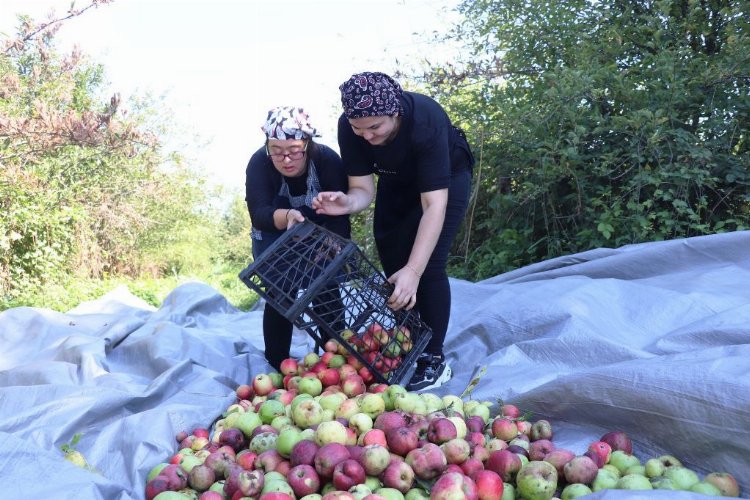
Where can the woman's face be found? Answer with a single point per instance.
(377, 130)
(289, 156)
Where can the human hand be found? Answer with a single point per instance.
(405, 281)
(293, 216)
(331, 203)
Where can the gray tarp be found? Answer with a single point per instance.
(652, 339)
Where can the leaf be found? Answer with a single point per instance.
(473, 383)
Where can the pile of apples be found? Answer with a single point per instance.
(382, 348)
(319, 430)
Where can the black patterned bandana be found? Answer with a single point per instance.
(370, 94)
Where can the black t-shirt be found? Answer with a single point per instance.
(421, 158)
(263, 184)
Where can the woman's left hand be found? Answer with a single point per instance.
(404, 294)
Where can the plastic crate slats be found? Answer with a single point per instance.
(325, 285)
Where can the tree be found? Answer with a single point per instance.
(86, 188)
(600, 123)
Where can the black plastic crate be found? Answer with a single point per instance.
(326, 286)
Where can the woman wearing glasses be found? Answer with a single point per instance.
(281, 180)
(423, 164)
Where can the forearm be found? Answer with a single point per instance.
(359, 199)
(428, 233)
(281, 218)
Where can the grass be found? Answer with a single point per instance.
(64, 296)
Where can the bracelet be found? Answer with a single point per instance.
(413, 270)
(286, 217)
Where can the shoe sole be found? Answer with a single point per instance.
(446, 376)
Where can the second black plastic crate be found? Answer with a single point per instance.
(325, 285)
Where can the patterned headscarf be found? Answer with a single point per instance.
(288, 122)
(370, 94)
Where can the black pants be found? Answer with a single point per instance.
(433, 293)
(277, 330)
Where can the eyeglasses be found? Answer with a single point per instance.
(294, 155)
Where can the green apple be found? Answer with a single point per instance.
(663, 483)
(634, 482)
(636, 469)
(372, 404)
(623, 461)
(537, 480)
(705, 488)
(331, 401)
(410, 402)
(473, 407)
(246, 422)
(331, 432)
(312, 496)
(432, 402)
(298, 399)
(281, 422)
(453, 402)
(683, 477)
(373, 482)
(460, 424)
(612, 469)
(287, 438)
(278, 485)
(509, 492)
(310, 385)
(390, 394)
(575, 490)
(417, 494)
(390, 493)
(605, 480)
(654, 467)
(155, 471)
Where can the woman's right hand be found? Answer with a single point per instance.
(331, 203)
(293, 216)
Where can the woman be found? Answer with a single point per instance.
(424, 168)
(282, 179)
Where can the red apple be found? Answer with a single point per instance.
(353, 385)
(454, 486)
(581, 469)
(489, 485)
(428, 461)
(618, 440)
(329, 377)
(304, 480)
(456, 451)
(303, 452)
(726, 483)
(262, 384)
(348, 473)
(540, 448)
(602, 450)
(505, 463)
(401, 440)
(327, 457)
(558, 458)
(441, 430)
(374, 436)
(250, 483)
(504, 428)
(471, 466)
(510, 411)
(244, 391)
(390, 420)
(541, 429)
(398, 475)
(374, 459)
